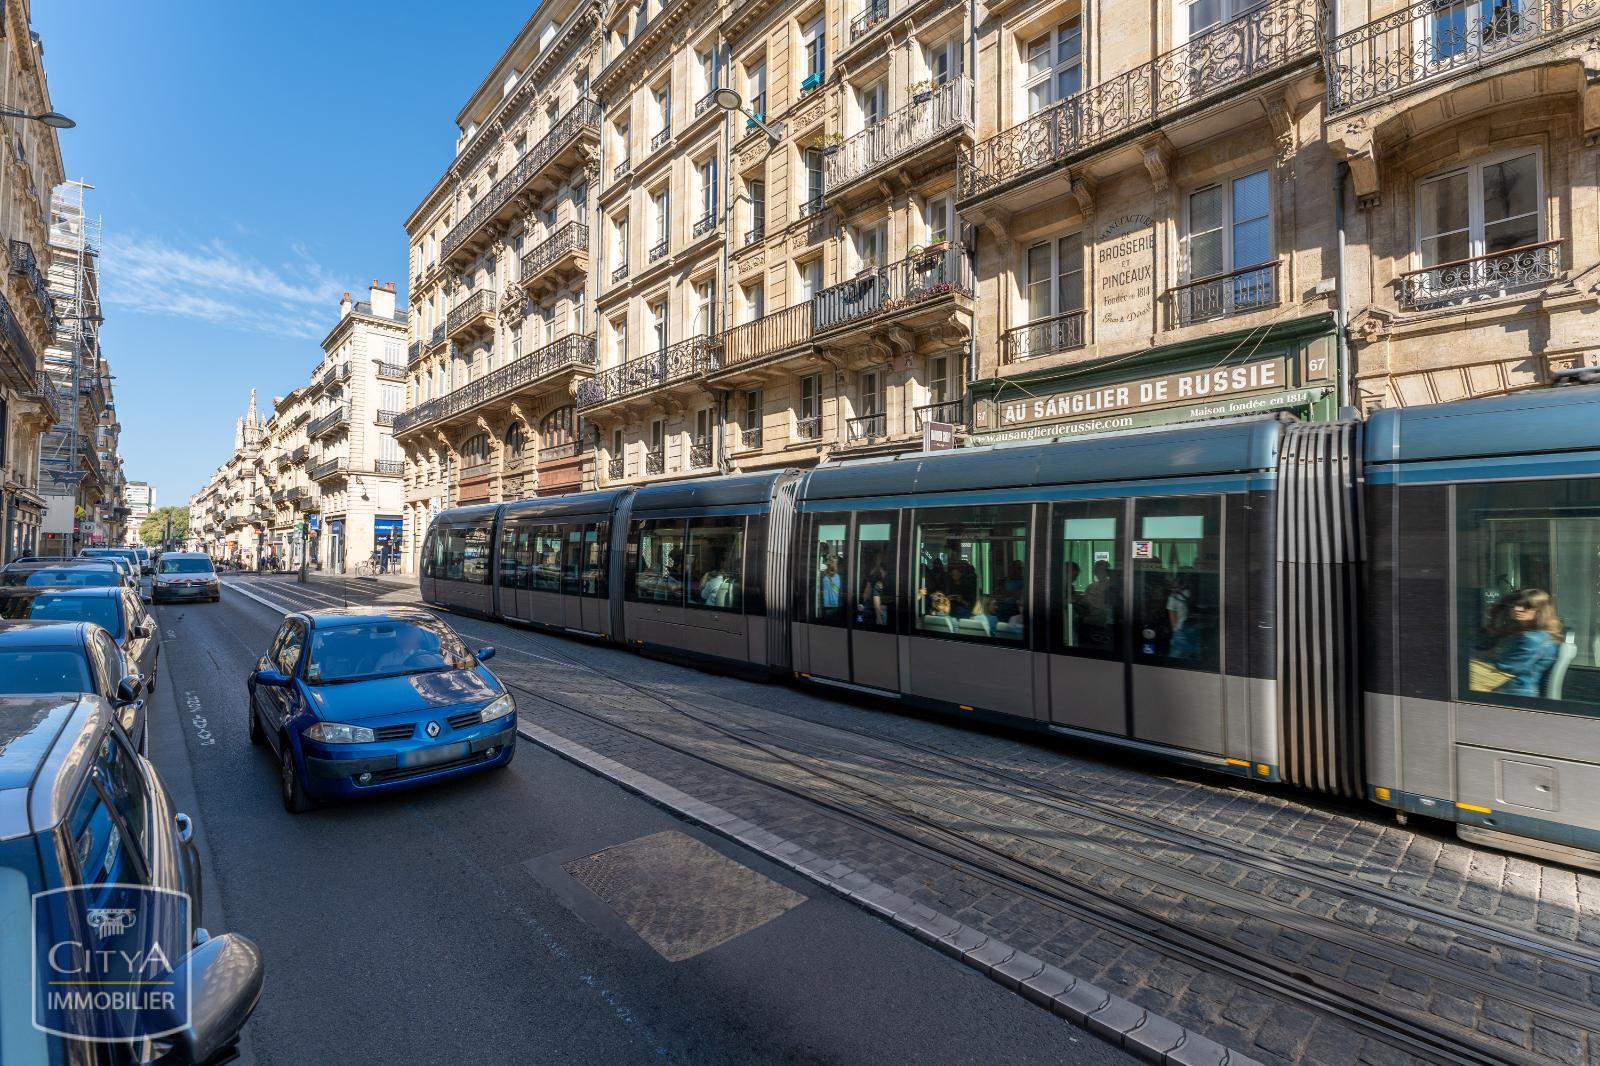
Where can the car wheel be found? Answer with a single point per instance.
(257, 737)
(295, 800)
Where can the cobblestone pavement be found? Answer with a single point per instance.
(1210, 886)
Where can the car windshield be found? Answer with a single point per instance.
(368, 650)
(186, 566)
(84, 577)
(36, 671)
(58, 607)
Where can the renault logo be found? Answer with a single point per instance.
(432, 729)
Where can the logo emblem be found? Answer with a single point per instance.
(110, 921)
(432, 729)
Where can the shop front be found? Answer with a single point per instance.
(1291, 369)
(335, 559)
(388, 537)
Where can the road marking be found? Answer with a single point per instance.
(197, 718)
(279, 607)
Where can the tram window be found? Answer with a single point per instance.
(545, 572)
(1089, 594)
(1528, 594)
(875, 570)
(972, 572)
(464, 554)
(592, 574)
(715, 563)
(658, 574)
(829, 580)
(431, 552)
(514, 555)
(755, 565)
(1176, 557)
(571, 559)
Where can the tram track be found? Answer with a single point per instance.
(890, 820)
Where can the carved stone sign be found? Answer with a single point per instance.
(1124, 274)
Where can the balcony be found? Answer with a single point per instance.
(17, 358)
(683, 361)
(894, 289)
(620, 274)
(1223, 295)
(811, 207)
(436, 338)
(750, 438)
(310, 504)
(564, 252)
(25, 263)
(865, 429)
(705, 103)
(557, 452)
(767, 336)
(808, 427)
(1047, 336)
(917, 125)
(659, 251)
(472, 314)
(614, 469)
(298, 456)
(280, 496)
(557, 147)
(389, 467)
(755, 233)
(325, 469)
(620, 171)
(413, 353)
(661, 140)
(700, 453)
(704, 225)
(655, 461)
(951, 412)
(1210, 67)
(571, 351)
(1409, 49)
(392, 371)
(1483, 277)
(330, 421)
(877, 11)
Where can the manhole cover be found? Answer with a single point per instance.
(679, 895)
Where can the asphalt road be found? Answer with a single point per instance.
(442, 925)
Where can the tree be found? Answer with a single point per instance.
(153, 531)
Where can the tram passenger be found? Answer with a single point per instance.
(939, 616)
(961, 585)
(1016, 584)
(873, 605)
(1523, 645)
(983, 612)
(828, 587)
(1180, 617)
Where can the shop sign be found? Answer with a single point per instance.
(1190, 387)
(1124, 273)
(1236, 405)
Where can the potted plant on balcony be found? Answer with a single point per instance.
(812, 81)
(828, 142)
(753, 122)
(921, 91)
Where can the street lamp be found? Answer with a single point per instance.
(730, 100)
(54, 119)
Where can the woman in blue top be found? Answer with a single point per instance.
(1528, 648)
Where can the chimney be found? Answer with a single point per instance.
(344, 305)
(382, 297)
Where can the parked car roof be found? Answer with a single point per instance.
(330, 617)
(28, 633)
(46, 746)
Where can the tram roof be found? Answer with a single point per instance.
(1524, 423)
(580, 503)
(1219, 448)
(715, 491)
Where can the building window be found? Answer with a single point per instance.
(516, 440)
(1230, 229)
(871, 242)
(579, 322)
(810, 278)
(1481, 209)
(658, 324)
(757, 190)
(1055, 277)
(1055, 66)
(936, 215)
(756, 87)
(547, 318)
(755, 300)
(475, 452)
(663, 109)
(940, 387)
(1202, 15)
(872, 392)
(972, 566)
(874, 102)
(580, 204)
(751, 419)
(516, 344)
(814, 42)
(813, 160)
(658, 204)
(944, 61)
(708, 188)
(619, 339)
(705, 306)
(559, 427)
(619, 238)
(811, 396)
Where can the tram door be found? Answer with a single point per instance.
(1088, 625)
(850, 604)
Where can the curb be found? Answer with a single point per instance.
(1119, 1021)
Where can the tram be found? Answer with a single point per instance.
(1405, 610)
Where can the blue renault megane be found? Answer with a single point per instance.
(359, 700)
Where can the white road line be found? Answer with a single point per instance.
(279, 607)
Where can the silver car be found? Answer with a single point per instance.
(185, 576)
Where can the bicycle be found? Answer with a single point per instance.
(365, 568)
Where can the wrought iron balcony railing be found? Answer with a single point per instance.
(392, 370)
(755, 233)
(326, 468)
(585, 114)
(620, 171)
(894, 288)
(705, 103)
(298, 456)
(18, 365)
(614, 469)
(620, 274)
(659, 251)
(876, 12)
(330, 421)
(659, 141)
(25, 263)
(1479, 277)
(951, 411)
(1047, 336)
(386, 418)
(867, 428)
(949, 107)
(480, 304)
(436, 338)
(680, 362)
(1257, 42)
(655, 461)
(388, 467)
(413, 353)
(750, 437)
(570, 237)
(1422, 42)
(1249, 289)
(704, 225)
(767, 335)
(808, 427)
(700, 453)
(574, 350)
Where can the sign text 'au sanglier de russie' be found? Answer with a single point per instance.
(1191, 386)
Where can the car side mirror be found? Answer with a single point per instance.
(272, 678)
(483, 655)
(220, 980)
(141, 632)
(128, 688)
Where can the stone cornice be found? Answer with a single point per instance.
(646, 45)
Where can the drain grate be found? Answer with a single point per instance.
(679, 895)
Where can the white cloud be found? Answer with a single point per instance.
(216, 283)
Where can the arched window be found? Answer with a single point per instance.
(516, 440)
(475, 452)
(558, 428)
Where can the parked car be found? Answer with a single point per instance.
(79, 806)
(116, 610)
(185, 576)
(128, 555)
(146, 563)
(356, 701)
(66, 573)
(69, 658)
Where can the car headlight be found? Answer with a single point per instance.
(497, 709)
(337, 733)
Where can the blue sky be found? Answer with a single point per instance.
(251, 161)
